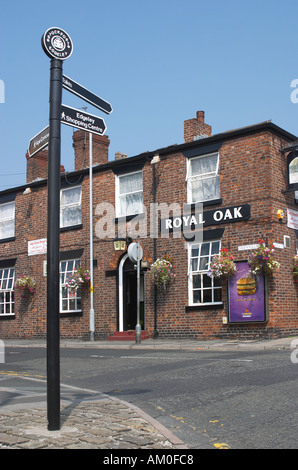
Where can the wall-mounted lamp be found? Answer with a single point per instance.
(280, 215)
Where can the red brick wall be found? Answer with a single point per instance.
(252, 171)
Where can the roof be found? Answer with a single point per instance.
(223, 136)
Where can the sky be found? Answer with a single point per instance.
(156, 62)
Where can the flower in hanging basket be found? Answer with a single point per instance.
(261, 260)
(161, 271)
(295, 268)
(80, 278)
(222, 265)
(26, 285)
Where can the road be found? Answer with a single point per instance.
(236, 400)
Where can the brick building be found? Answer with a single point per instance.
(240, 181)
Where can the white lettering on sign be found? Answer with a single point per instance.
(176, 222)
(227, 214)
(248, 247)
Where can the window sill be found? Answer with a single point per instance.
(212, 202)
(71, 313)
(5, 240)
(7, 316)
(197, 307)
(71, 227)
(127, 218)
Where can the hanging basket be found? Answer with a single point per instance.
(222, 265)
(26, 286)
(261, 260)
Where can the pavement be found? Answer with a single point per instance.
(92, 420)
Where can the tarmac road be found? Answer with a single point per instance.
(223, 395)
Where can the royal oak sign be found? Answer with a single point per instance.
(206, 218)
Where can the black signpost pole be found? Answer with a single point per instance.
(57, 45)
(53, 243)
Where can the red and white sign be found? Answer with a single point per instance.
(37, 247)
(292, 219)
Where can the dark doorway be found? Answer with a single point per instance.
(130, 297)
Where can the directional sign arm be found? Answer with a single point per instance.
(86, 95)
(82, 120)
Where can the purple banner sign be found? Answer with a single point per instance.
(247, 301)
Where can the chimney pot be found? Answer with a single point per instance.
(120, 156)
(201, 116)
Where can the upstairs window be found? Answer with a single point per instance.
(7, 220)
(70, 207)
(203, 178)
(129, 194)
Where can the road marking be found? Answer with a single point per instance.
(19, 374)
(221, 445)
(241, 360)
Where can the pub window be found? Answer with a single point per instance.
(7, 220)
(129, 194)
(70, 299)
(6, 291)
(203, 178)
(70, 206)
(203, 289)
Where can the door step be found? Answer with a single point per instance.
(129, 335)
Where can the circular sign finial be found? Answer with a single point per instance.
(57, 44)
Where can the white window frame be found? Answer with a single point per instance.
(8, 219)
(202, 177)
(117, 185)
(7, 289)
(214, 283)
(67, 296)
(67, 206)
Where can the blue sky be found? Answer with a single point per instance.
(156, 62)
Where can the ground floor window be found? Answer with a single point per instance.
(203, 289)
(70, 299)
(7, 291)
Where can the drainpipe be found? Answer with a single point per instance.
(155, 160)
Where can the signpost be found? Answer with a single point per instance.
(86, 95)
(82, 120)
(135, 254)
(57, 45)
(39, 141)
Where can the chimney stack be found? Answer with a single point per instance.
(196, 128)
(37, 166)
(100, 149)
